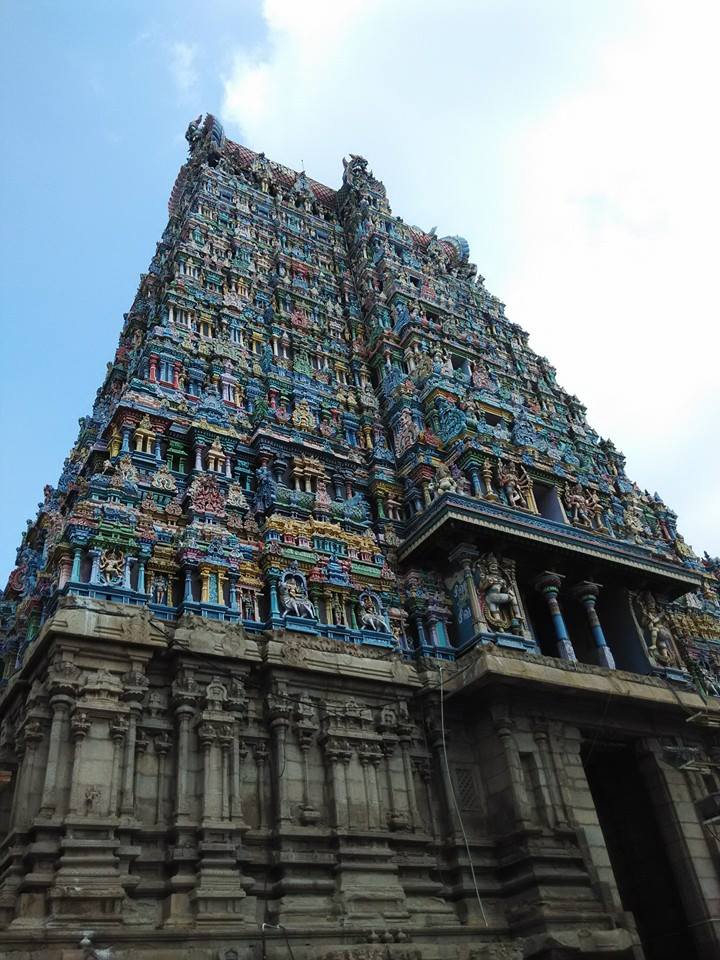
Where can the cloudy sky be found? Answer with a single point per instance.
(573, 142)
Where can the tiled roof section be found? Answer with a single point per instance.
(422, 239)
(243, 157)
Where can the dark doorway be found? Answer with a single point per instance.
(643, 874)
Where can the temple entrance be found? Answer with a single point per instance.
(645, 880)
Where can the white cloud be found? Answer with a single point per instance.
(183, 66)
(575, 146)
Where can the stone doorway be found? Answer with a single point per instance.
(645, 879)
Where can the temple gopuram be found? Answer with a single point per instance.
(343, 636)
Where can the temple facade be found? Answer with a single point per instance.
(343, 636)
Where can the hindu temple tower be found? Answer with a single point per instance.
(343, 636)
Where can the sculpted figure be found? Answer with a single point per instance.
(294, 599)
(444, 481)
(370, 615)
(577, 504)
(516, 483)
(265, 488)
(112, 565)
(498, 600)
(661, 646)
(406, 432)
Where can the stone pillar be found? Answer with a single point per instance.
(405, 738)
(210, 805)
(118, 732)
(540, 734)
(337, 753)
(260, 752)
(23, 800)
(127, 806)
(162, 748)
(60, 705)
(435, 738)
(183, 713)
(587, 593)
(548, 584)
(424, 770)
(79, 729)
(504, 727)
(238, 753)
(279, 709)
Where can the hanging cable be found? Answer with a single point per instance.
(454, 798)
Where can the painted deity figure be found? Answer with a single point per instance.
(577, 505)
(112, 565)
(294, 599)
(406, 432)
(160, 590)
(516, 483)
(265, 488)
(661, 646)
(498, 600)
(444, 481)
(371, 615)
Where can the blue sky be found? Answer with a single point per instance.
(572, 143)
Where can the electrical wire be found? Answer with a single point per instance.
(454, 799)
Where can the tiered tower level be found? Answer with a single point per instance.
(342, 619)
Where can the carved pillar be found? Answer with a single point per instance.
(369, 755)
(587, 593)
(435, 738)
(540, 735)
(404, 731)
(184, 711)
(75, 572)
(424, 770)
(260, 752)
(548, 584)
(162, 748)
(118, 732)
(79, 729)
(280, 709)
(464, 555)
(207, 736)
(23, 801)
(135, 685)
(504, 726)
(306, 731)
(238, 753)
(225, 741)
(60, 705)
(337, 753)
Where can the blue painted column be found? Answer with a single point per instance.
(274, 605)
(587, 594)
(475, 482)
(233, 593)
(422, 638)
(95, 571)
(127, 584)
(548, 584)
(75, 572)
(141, 576)
(125, 448)
(188, 595)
